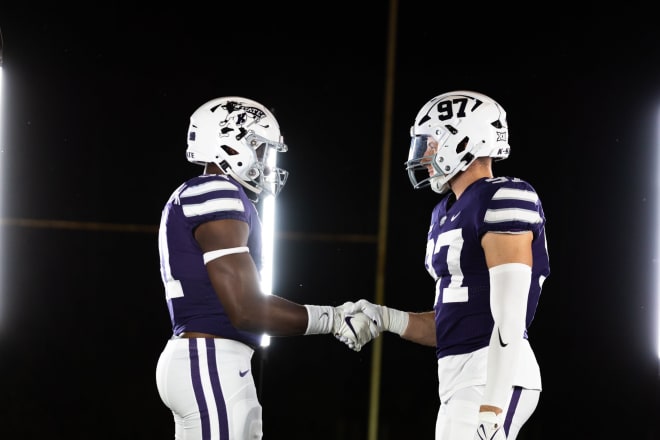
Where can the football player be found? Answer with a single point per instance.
(210, 258)
(486, 251)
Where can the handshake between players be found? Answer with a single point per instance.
(363, 321)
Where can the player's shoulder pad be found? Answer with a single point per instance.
(497, 183)
(208, 187)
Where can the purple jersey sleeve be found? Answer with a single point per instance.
(456, 260)
(192, 302)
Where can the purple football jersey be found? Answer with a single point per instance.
(456, 260)
(191, 299)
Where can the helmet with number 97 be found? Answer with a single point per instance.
(242, 137)
(450, 132)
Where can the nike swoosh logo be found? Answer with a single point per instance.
(484, 436)
(326, 316)
(455, 216)
(243, 373)
(347, 320)
(481, 431)
(501, 341)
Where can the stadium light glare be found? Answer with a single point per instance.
(268, 242)
(268, 237)
(657, 251)
(2, 185)
(268, 232)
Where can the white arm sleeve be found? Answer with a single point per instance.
(509, 288)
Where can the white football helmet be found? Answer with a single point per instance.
(242, 137)
(450, 132)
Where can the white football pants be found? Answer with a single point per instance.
(457, 417)
(208, 385)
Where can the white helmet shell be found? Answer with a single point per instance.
(242, 137)
(450, 132)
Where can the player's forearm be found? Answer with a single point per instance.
(271, 314)
(421, 328)
(414, 327)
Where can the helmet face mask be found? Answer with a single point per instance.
(242, 137)
(420, 164)
(270, 178)
(463, 125)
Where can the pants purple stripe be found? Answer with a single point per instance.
(199, 392)
(217, 390)
(515, 398)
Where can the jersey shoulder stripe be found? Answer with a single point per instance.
(510, 215)
(516, 194)
(208, 187)
(213, 205)
(513, 206)
(209, 194)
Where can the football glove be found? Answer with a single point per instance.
(490, 427)
(353, 329)
(385, 318)
(356, 330)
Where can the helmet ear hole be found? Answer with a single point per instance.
(229, 150)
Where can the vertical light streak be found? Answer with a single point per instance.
(2, 184)
(268, 232)
(268, 241)
(657, 234)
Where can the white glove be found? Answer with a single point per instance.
(385, 318)
(490, 427)
(354, 329)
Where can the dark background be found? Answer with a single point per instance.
(96, 107)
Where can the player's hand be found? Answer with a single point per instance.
(373, 311)
(385, 318)
(353, 329)
(490, 427)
